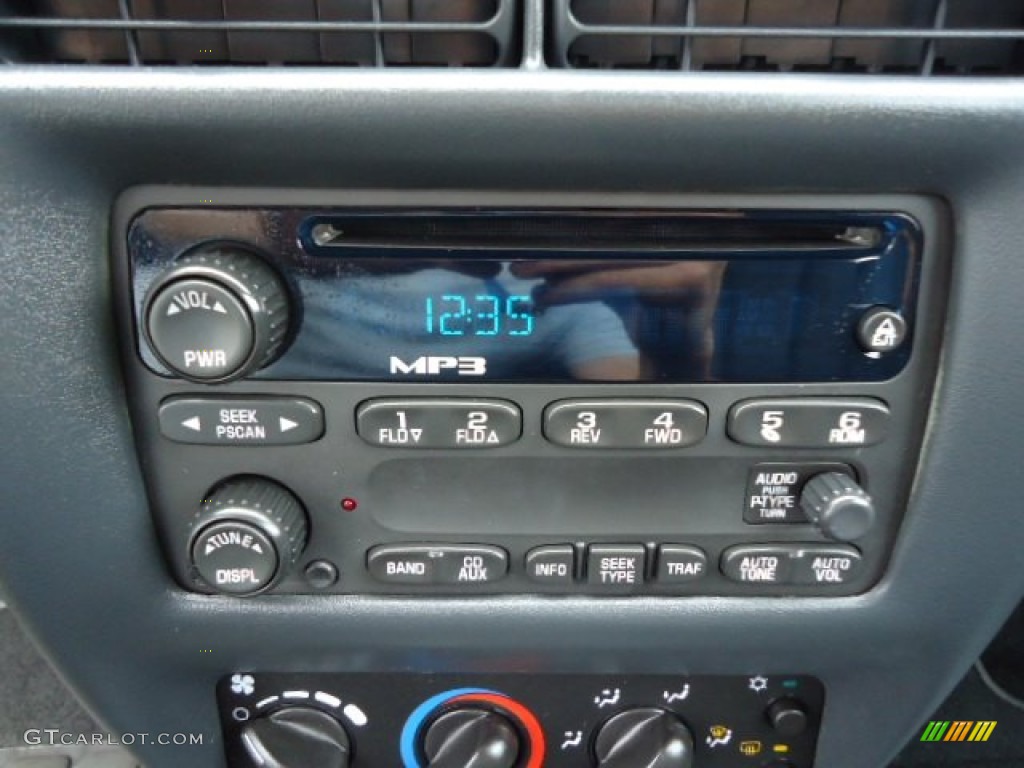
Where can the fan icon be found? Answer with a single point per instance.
(243, 684)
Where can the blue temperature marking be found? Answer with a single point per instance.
(430, 315)
(411, 729)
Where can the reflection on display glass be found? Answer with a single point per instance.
(572, 297)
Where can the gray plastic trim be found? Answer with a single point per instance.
(78, 553)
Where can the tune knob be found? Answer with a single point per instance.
(471, 737)
(248, 533)
(644, 738)
(838, 506)
(297, 737)
(218, 313)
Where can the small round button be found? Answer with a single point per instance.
(787, 716)
(321, 574)
(200, 329)
(881, 330)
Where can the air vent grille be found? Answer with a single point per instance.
(924, 37)
(366, 33)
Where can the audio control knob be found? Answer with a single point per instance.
(471, 737)
(248, 533)
(644, 738)
(297, 737)
(218, 313)
(838, 506)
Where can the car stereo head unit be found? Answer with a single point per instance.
(423, 393)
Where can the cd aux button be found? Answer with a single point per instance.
(441, 564)
(439, 423)
(644, 424)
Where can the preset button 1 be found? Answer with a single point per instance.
(646, 424)
(439, 423)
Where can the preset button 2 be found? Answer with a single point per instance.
(439, 423)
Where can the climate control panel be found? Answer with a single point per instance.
(520, 721)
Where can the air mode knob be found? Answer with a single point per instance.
(471, 737)
(297, 737)
(218, 313)
(248, 533)
(644, 738)
(838, 506)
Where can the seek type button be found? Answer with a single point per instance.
(617, 567)
(241, 421)
(773, 491)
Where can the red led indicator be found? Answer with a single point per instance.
(349, 504)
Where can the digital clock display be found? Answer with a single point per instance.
(485, 314)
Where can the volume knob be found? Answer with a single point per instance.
(838, 506)
(248, 533)
(218, 313)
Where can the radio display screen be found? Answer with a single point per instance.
(530, 299)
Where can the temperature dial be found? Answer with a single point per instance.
(219, 313)
(471, 738)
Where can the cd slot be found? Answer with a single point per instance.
(586, 234)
